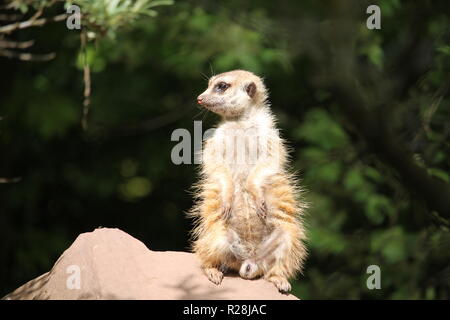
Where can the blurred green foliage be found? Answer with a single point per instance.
(145, 78)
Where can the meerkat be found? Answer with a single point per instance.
(247, 216)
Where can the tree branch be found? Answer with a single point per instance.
(16, 44)
(10, 180)
(27, 56)
(370, 119)
(31, 23)
(434, 192)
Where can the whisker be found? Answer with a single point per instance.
(211, 69)
(205, 115)
(202, 110)
(205, 76)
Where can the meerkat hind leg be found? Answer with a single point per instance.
(270, 257)
(212, 249)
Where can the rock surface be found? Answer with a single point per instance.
(110, 264)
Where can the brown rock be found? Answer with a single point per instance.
(110, 264)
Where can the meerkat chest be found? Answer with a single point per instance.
(240, 147)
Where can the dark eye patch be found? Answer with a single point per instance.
(221, 86)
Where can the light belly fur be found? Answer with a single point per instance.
(249, 228)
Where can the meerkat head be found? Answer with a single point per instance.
(232, 94)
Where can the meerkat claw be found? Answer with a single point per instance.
(262, 209)
(281, 283)
(260, 204)
(227, 207)
(214, 275)
(226, 211)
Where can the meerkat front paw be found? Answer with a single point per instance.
(214, 275)
(249, 270)
(259, 199)
(260, 204)
(281, 283)
(227, 207)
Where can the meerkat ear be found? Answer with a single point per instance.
(251, 89)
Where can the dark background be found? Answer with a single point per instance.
(366, 113)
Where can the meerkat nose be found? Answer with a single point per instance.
(199, 100)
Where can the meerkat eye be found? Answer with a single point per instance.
(221, 86)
